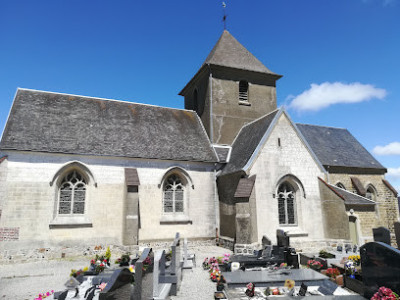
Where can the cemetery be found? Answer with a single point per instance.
(371, 271)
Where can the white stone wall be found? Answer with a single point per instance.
(29, 201)
(274, 162)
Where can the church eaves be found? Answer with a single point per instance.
(60, 123)
(228, 52)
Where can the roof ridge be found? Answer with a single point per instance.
(322, 126)
(104, 99)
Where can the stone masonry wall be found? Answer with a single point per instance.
(29, 203)
(228, 115)
(273, 163)
(387, 211)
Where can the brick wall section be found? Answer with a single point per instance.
(9, 234)
(387, 211)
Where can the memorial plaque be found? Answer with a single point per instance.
(381, 234)
(72, 283)
(303, 290)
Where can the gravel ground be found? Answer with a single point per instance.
(27, 280)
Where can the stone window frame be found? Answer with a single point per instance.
(176, 217)
(341, 185)
(72, 220)
(243, 92)
(370, 189)
(299, 193)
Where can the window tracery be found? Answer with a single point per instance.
(287, 204)
(72, 194)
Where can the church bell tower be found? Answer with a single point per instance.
(231, 88)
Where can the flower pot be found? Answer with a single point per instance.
(339, 280)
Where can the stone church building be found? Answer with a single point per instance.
(78, 170)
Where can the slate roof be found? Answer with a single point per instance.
(228, 52)
(348, 197)
(245, 187)
(337, 147)
(246, 142)
(131, 177)
(358, 186)
(59, 123)
(222, 153)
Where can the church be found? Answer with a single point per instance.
(230, 167)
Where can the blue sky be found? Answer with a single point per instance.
(342, 55)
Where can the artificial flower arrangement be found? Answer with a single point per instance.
(356, 259)
(223, 259)
(44, 295)
(314, 264)
(124, 260)
(332, 272)
(250, 289)
(97, 266)
(147, 264)
(385, 293)
(76, 273)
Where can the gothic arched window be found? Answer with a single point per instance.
(287, 204)
(243, 90)
(72, 194)
(174, 194)
(340, 185)
(370, 194)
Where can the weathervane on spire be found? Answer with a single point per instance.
(224, 17)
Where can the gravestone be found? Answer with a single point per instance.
(381, 234)
(265, 241)
(339, 248)
(380, 267)
(282, 238)
(397, 232)
(119, 286)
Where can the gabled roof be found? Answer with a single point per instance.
(246, 142)
(228, 52)
(60, 123)
(337, 147)
(348, 197)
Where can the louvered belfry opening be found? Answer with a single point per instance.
(243, 90)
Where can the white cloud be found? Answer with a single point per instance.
(393, 172)
(390, 149)
(322, 95)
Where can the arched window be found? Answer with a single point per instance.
(340, 185)
(174, 194)
(287, 204)
(72, 194)
(243, 90)
(370, 194)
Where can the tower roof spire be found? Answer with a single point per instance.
(228, 52)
